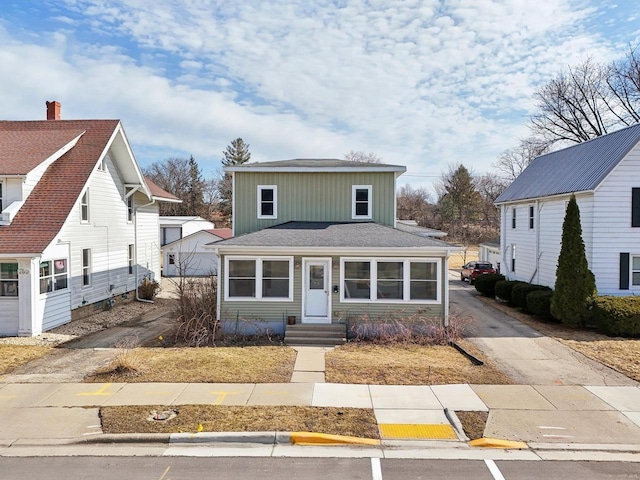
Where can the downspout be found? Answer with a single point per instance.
(135, 239)
(446, 289)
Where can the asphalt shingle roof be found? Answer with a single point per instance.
(317, 163)
(45, 210)
(333, 235)
(577, 168)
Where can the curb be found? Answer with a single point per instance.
(311, 438)
(498, 443)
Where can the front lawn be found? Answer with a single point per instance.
(12, 356)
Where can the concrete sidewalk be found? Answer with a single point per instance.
(565, 417)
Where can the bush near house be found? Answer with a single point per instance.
(486, 284)
(539, 303)
(520, 291)
(617, 316)
(503, 289)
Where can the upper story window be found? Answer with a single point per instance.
(8, 279)
(53, 275)
(531, 217)
(84, 207)
(1, 196)
(102, 166)
(361, 202)
(635, 207)
(267, 201)
(513, 217)
(129, 204)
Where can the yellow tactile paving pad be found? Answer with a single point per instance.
(416, 431)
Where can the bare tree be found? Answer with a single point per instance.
(623, 79)
(362, 157)
(415, 204)
(490, 186)
(513, 161)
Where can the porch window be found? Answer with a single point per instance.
(86, 267)
(267, 201)
(53, 275)
(386, 281)
(361, 202)
(8, 279)
(84, 207)
(259, 278)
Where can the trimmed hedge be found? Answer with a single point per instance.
(539, 303)
(618, 316)
(503, 289)
(520, 291)
(486, 284)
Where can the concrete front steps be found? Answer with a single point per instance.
(315, 334)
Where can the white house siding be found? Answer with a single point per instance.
(53, 310)
(148, 251)
(490, 253)
(9, 316)
(191, 257)
(543, 244)
(612, 231)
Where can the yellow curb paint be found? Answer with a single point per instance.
(102, 391)
(416, 431)
(222, 396)
(497, 443)
(7, 396)
(311, 438)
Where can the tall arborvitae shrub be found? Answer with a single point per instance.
(575, 284)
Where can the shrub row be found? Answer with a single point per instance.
(520, 293)
(486, 284)
(617, 316)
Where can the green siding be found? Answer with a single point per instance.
(277, 311)
(313, 197)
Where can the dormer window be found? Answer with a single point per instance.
(84, 207)
(267, 201)
(361, 202)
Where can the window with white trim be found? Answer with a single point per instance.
(8, 279)
(635, 270)
(390, 280)
(129, 201)
(53, 275)
(513, 258)
(259, 278)
(1, 193)
(267, 201)
(84, 207)
(513, 217)
(361, 202)
(131, 258)
(531, 217)
(86, 267)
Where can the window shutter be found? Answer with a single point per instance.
(624, 271)
(635, 207)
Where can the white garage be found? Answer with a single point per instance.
(187, 256)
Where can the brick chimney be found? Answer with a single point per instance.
(53, 110)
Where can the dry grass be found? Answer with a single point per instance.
(206, 365)
(620, 354)
(473, 423)
(407, 365)
(356, 422)
(12, 356)
(458, 259)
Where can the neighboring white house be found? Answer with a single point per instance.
(174, 228)
(78, 222)
(490, 252)
(188, 257)
(604, 175)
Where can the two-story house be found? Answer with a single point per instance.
(78, 222)
(316, 240)
(604, 175)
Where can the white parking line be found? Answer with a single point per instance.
(493, 468)
(376, 470)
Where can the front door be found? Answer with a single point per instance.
(316, 293)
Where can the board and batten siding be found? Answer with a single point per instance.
(312, 197)
(612, 230)
(276, 313)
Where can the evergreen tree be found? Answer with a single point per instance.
(575, 284)
(195, 189)
(236, 153)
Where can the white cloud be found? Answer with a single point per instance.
(420, 82)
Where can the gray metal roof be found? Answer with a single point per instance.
(315, 164)
(409, 226)
(578, 168)
(333, 235)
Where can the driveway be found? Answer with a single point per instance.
(523, 353)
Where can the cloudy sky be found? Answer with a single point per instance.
(422, 83)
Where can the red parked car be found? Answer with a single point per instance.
(472, 269)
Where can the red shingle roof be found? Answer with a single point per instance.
(156, 191)
(223, 233)
(45, 210)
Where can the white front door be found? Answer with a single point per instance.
(315, 291)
